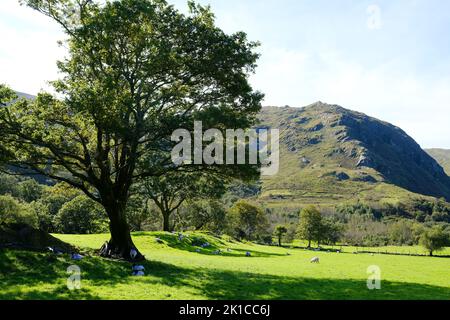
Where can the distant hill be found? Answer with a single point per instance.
(39, 178)
(332, 154)
(25, 95)
(442, 156)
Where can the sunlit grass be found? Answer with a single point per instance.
(175, 271)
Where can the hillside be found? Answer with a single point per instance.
(442, 156)
(330, 154)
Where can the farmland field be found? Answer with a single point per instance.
(174, 270)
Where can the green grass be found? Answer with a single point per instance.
(175, 271)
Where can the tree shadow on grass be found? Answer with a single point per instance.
(47, 280)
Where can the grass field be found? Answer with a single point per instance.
(175, 271)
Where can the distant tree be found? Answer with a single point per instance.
(208, 214)
(136, 70)
(247, 221)
(14, 211)
(434, 239)
(30, 190)
(81, 216)
(170, 191)
(310, 224)
(401, 232)
(279, 232)
(8, 185)
(330, 232)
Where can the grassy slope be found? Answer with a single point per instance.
(174, 271)
(442, 156)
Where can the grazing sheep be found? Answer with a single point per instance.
(315, 260)
(248, 254)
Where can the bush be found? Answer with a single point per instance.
(81, 216)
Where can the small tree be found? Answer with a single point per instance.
(247, 221)
(434, 239)
(310, 224)
(170, 191)
(279, 232)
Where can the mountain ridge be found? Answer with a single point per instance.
(325, 142)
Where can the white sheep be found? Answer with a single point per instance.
(315, 260)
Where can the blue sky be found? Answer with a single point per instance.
(389, 59)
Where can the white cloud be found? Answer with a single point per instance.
(29, 48)
(387, 91)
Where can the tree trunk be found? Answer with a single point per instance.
(309, 243)
(120, 246)
(166, 222)
(279, 241)
(431, 253)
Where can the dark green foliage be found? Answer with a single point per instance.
(310, 224)
(434, 239)
(247, 221)
(81, 216)
(279, 232)
(13, 210)
(208, 215)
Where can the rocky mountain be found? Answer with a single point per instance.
(442, 156)
(332, 153)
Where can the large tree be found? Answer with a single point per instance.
(135, 71)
